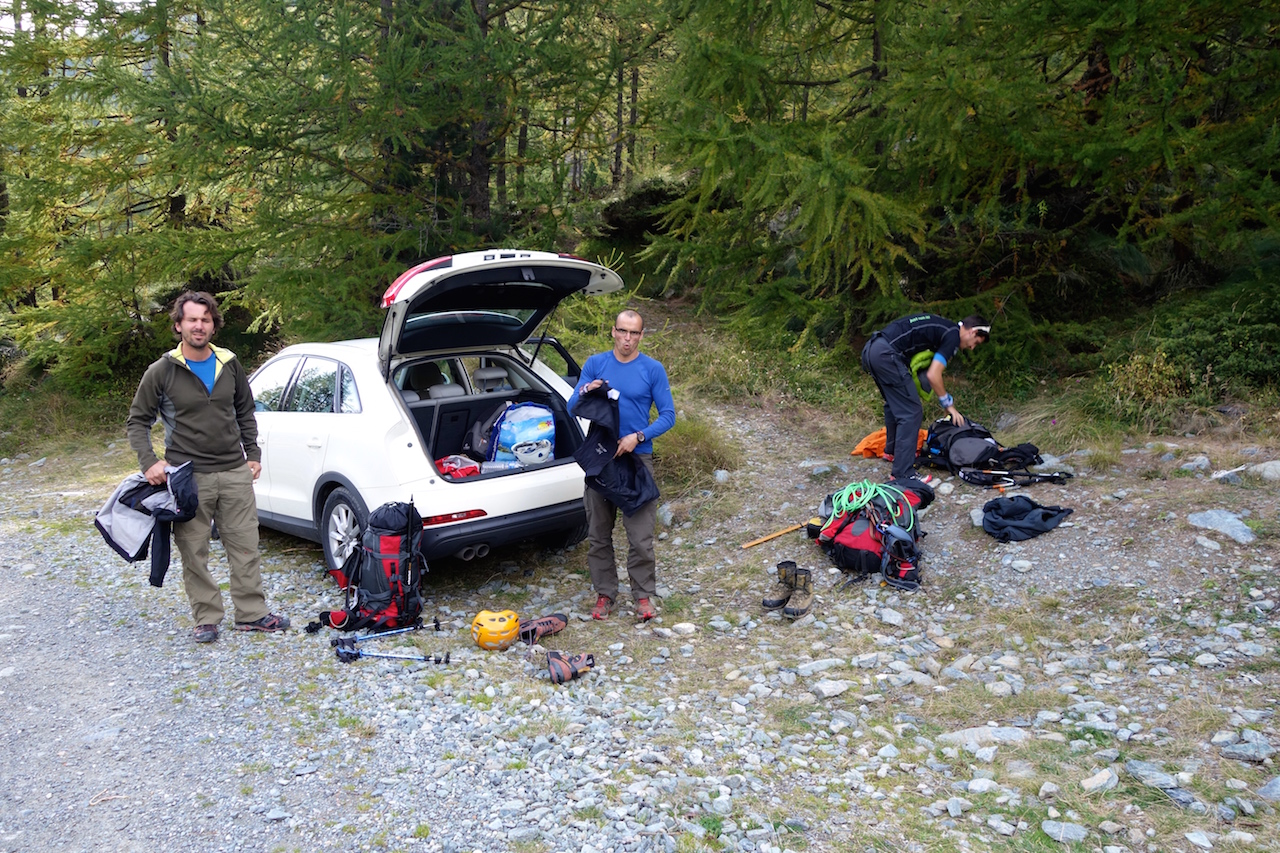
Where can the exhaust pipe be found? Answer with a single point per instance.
(467, 553)
(482, 550)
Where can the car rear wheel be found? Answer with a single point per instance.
(342, 522)
(562, 540)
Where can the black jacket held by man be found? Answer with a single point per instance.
(625, 483)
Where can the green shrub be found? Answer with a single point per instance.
(1232, 334)
(1149, 390)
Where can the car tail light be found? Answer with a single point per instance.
(393, 291)
(450, 517)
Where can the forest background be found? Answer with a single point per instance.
(1096, 177)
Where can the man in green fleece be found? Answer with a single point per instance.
(201, 394)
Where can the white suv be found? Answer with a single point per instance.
(347, 426)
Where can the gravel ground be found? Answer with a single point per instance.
(1110, 685)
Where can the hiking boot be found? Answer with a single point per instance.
(205, 633)
(801, 601)
(887, 457)
(269, 623)
(604, 606)
(644, 610)
(783, 588)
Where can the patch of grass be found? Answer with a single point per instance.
(52, 423)
(675, 605)
(791, 718)
(689, 454)
(358, 726)
(1264, 528)
(422, 831)
(712, 824)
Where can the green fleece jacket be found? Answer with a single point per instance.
(214, 431)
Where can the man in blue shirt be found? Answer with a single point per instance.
(641, 383)
(887, 357)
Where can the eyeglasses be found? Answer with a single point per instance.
(627, 333)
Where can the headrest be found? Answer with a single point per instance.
(435, 392)
(423, 375)
(489, 378)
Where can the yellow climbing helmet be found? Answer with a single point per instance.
(495, 631)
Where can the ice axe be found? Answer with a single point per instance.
(774, 535)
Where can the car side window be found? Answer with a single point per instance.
(315, 388)
(269, 384)
(348, 396)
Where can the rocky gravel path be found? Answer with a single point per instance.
(1110, 685)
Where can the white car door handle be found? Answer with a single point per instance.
(315, 443)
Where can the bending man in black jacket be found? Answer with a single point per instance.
(887, 357)
(641, 383)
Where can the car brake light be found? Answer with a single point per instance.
(452, 516)
(394, 290)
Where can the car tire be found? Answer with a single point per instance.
(342, 523)
(563, 540)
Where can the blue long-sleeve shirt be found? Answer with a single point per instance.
(641, 384)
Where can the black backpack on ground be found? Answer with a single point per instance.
(384, 582)
(972, 446)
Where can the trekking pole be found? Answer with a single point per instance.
(417, 626)
(347, 652)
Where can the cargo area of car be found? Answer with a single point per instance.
(443, 424)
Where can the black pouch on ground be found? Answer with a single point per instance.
(1019, 518)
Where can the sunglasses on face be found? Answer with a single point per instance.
(627, 333)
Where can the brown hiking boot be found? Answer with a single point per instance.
(783, 588)
(205, 633)
(802, 599)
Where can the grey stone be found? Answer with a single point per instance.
(827, 688)
(1103, 780)
(1255, 752)
(1200, 838)
(1271, 790)
(983, 735)
(1150, 774)
(891, 617)
(1224, 522)
(1066, 833)
(1266, 470)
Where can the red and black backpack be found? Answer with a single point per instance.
(872, 528)
(384, 586)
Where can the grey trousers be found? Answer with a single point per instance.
(226, 496)
(642, 564)
(903, 411)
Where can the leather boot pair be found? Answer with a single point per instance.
(793, 591)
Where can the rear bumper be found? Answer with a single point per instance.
(502, 530)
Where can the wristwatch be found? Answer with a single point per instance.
(641, 436)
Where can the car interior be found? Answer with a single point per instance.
(445, 409)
